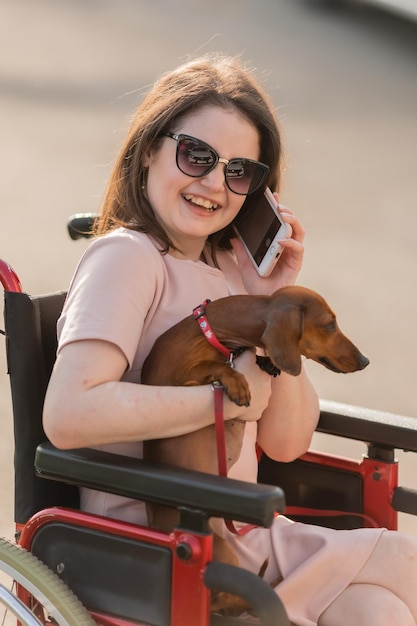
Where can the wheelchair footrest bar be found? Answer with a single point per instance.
(163, 484)
(259, 595)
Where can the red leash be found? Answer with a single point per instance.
(221, 450)
(199, 314)
(219, 424)
(300, 511)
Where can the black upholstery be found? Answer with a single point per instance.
(109, 573)
(31, 344)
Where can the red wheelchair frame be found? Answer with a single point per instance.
(127, 574)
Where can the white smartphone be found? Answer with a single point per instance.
(259, 227)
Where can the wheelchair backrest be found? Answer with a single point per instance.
(30, 325)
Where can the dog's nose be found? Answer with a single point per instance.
(363, 362)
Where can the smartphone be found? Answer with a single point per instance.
(259, 227)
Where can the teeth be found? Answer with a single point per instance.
(206, 204)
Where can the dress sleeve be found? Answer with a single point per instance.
(114, 286)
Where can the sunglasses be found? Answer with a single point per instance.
(196, 159)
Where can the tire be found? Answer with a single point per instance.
(48, 594)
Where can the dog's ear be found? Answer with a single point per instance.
(281, 339)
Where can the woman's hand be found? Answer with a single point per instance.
(260, 387)
(289, 264)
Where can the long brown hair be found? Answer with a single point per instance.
(213, 80)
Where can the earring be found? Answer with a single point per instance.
(144, 177)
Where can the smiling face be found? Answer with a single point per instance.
(191, 209)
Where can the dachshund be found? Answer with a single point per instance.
(292, 322)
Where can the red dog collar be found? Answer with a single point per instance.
(199, 314)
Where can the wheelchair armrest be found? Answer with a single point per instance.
(162, 484)
(374, 427)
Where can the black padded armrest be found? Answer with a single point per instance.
(162, 484)
(371, 426)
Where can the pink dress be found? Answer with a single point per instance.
(124, 291)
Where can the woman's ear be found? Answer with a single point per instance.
(147, 160)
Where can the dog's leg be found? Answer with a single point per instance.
(227, 603)
(234, 383)
(221, 600)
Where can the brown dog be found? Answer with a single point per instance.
(294, 321)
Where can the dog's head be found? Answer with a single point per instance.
(302, 323)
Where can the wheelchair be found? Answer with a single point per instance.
(72, 568)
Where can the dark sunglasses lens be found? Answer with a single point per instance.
(194, 158)
(244, 176)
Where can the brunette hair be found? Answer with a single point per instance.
(213, 80)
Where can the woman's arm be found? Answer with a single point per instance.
(87, 405)
(288, 423)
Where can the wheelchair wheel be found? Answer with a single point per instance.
(33, 594)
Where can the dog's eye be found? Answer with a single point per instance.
(331, 327)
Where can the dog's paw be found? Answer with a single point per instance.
(227, 604)
(265, 363)
(239, 394)
(235, 386)
(239, 399)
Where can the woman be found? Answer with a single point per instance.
(166, 246)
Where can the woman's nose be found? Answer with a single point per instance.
(215, 179)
